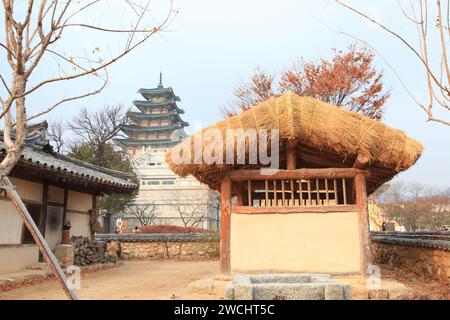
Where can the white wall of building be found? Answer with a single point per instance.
(161, 187)
(14, 255)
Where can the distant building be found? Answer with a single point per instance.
(157, 127)
(55, 189)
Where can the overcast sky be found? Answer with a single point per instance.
(211, 45)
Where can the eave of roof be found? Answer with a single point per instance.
(56, 167)
(145, 105)
(146, 141)
(140, 115)
(136, 128)
(331, 136)
(158, 91)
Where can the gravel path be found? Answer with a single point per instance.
(144, 280)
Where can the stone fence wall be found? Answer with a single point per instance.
(424, 253)
(178, 246)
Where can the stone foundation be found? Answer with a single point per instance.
(170, 250)
(287, 287)
(187, 246)
(65, 254)
(432, 262)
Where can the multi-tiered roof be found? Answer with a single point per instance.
(158, 124)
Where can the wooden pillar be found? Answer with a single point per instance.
(65, 233)
(43, 218)
(240, 199)
(292, 154)
(363, 222)
(94, 215)
(225, 192)
(66, 199)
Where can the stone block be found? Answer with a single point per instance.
(229, 292)
(287, 291)
(400, 294)
(65, 254)
(244, 291)
(34, 276)
(379, 294)
(203, 286)
(5, 282)
(334, 291)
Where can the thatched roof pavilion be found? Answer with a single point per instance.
(328, 137)
(311, 214)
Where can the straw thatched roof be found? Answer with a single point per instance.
(328, 137)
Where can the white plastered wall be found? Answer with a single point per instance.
(303, 242)
(78, 206)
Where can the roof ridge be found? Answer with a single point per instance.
(116, 173)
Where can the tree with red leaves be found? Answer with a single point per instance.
(348, 80)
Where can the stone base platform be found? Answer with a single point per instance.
(389, 289)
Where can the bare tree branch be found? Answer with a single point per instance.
(31, 32)
(437, 76)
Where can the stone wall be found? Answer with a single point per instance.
(181, 246)
(421, 256)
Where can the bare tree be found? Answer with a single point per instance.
(145, 213)
(376, 214)
(407, 203)
(438, 215)
(192, 210)
(35, 30)
(56, 135)
(432, 21)
(99, 127)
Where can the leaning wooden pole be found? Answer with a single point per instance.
(12, 194)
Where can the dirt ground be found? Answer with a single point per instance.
(143, 280)
(169, 280)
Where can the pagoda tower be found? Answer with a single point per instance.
(155, 129)
(158, 124)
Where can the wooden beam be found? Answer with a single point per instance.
(361, 162)
(225, 193)
(363, 222)
(331, 173)
(289, 210)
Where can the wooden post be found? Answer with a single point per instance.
(266, 187)
(363, 221)
(240, 199)
(43, 218)
(292, 154)
(66, 199)
(249, 193)
(225, 192)
(65, 233)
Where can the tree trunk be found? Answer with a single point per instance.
(14, 148)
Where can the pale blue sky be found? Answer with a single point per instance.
(212, 45)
